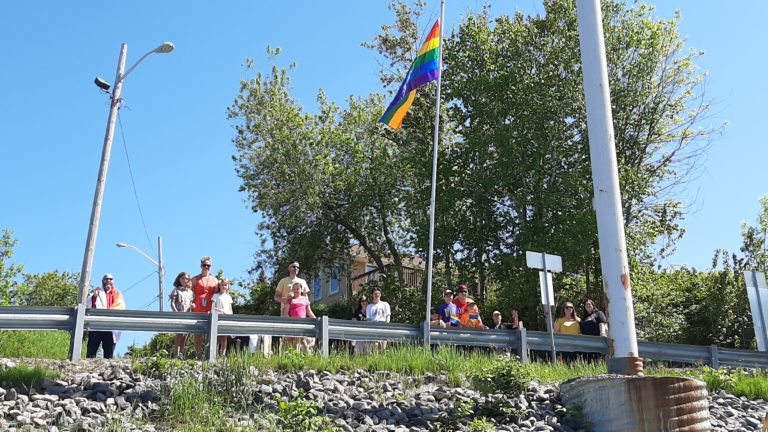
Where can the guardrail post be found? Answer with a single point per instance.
(323, 336)
(76, 334)
(715, 359)
(523, 344)
(213, 333)
(426, 336)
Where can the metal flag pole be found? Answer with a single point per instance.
(434, 179)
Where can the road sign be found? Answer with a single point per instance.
(547, 293)
(540, 260)
(757, 291)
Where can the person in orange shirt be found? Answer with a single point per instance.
(104, 297)
(204, 285)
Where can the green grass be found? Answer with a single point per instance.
(34, 344)
(25, 376)
(753, 387)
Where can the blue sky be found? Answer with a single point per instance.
(179, 139)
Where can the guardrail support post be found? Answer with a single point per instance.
(76, 334)
(323, 336)
(715, 359)
(426, 336)
(213, 333)
(523, 344)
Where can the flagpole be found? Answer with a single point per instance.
(430, 255)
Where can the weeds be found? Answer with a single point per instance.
(25, 376)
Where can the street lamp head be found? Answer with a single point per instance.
(121, 245)
(166, 47)
(102, 84)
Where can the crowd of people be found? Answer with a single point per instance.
(205, 293)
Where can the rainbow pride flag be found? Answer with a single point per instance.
(454, 320)
(423, 70)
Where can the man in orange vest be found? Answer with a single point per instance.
(104, 297)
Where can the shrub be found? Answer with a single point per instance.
(502, 375)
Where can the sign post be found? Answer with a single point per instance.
(547, 264)
(757, 291)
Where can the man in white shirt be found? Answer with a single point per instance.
(378, 310)
(284, 287)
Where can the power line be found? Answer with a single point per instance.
(133, 183)
(142, 280)
(148, 304)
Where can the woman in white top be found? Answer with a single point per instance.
(222, 302)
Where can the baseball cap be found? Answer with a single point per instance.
(107, 276)
(446, 292)
(568, 304)
(496, 313)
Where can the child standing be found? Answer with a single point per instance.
(182, 298)
(222, 302)
(299, 307)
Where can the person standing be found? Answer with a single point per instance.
(497, 324)
(593, 324)
(568, 324)
(447, 311)
(104, 297)
(204, 286)
(284, 287)
(222, 302)
(461, 301)
(380, 311)
(182, 297)
(361, 347)
(299, 307)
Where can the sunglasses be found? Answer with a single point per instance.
(205, 265)
(108, 279)
(295, 267)
(569, 307)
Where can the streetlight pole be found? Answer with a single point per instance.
(158, 263)
(114, 106)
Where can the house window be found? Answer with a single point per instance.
(334, 281)
(317, 288)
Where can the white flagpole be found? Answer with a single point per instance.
(430, 254)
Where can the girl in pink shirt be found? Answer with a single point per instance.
(298, 307)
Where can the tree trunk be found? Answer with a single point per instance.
(392, 248)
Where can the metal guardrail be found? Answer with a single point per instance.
(77, 319)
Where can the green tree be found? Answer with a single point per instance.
(53, 288)
(8, 271)
(321, 181)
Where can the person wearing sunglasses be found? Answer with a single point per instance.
(284, 287)
(568, 324)
(204, 286)
(105, 296)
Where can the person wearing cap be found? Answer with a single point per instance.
(105, 296)
(380, 311)
(448, 309)
(473, 317)
(284, 287)
(568, 324)
(497, 324)
(204, 286)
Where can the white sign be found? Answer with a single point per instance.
(538, 260)
(757, 292)
(547, 293)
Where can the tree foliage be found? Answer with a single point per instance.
(514, 171)
(8, 270)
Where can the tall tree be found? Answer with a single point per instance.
(8, 271)
(321, 181)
